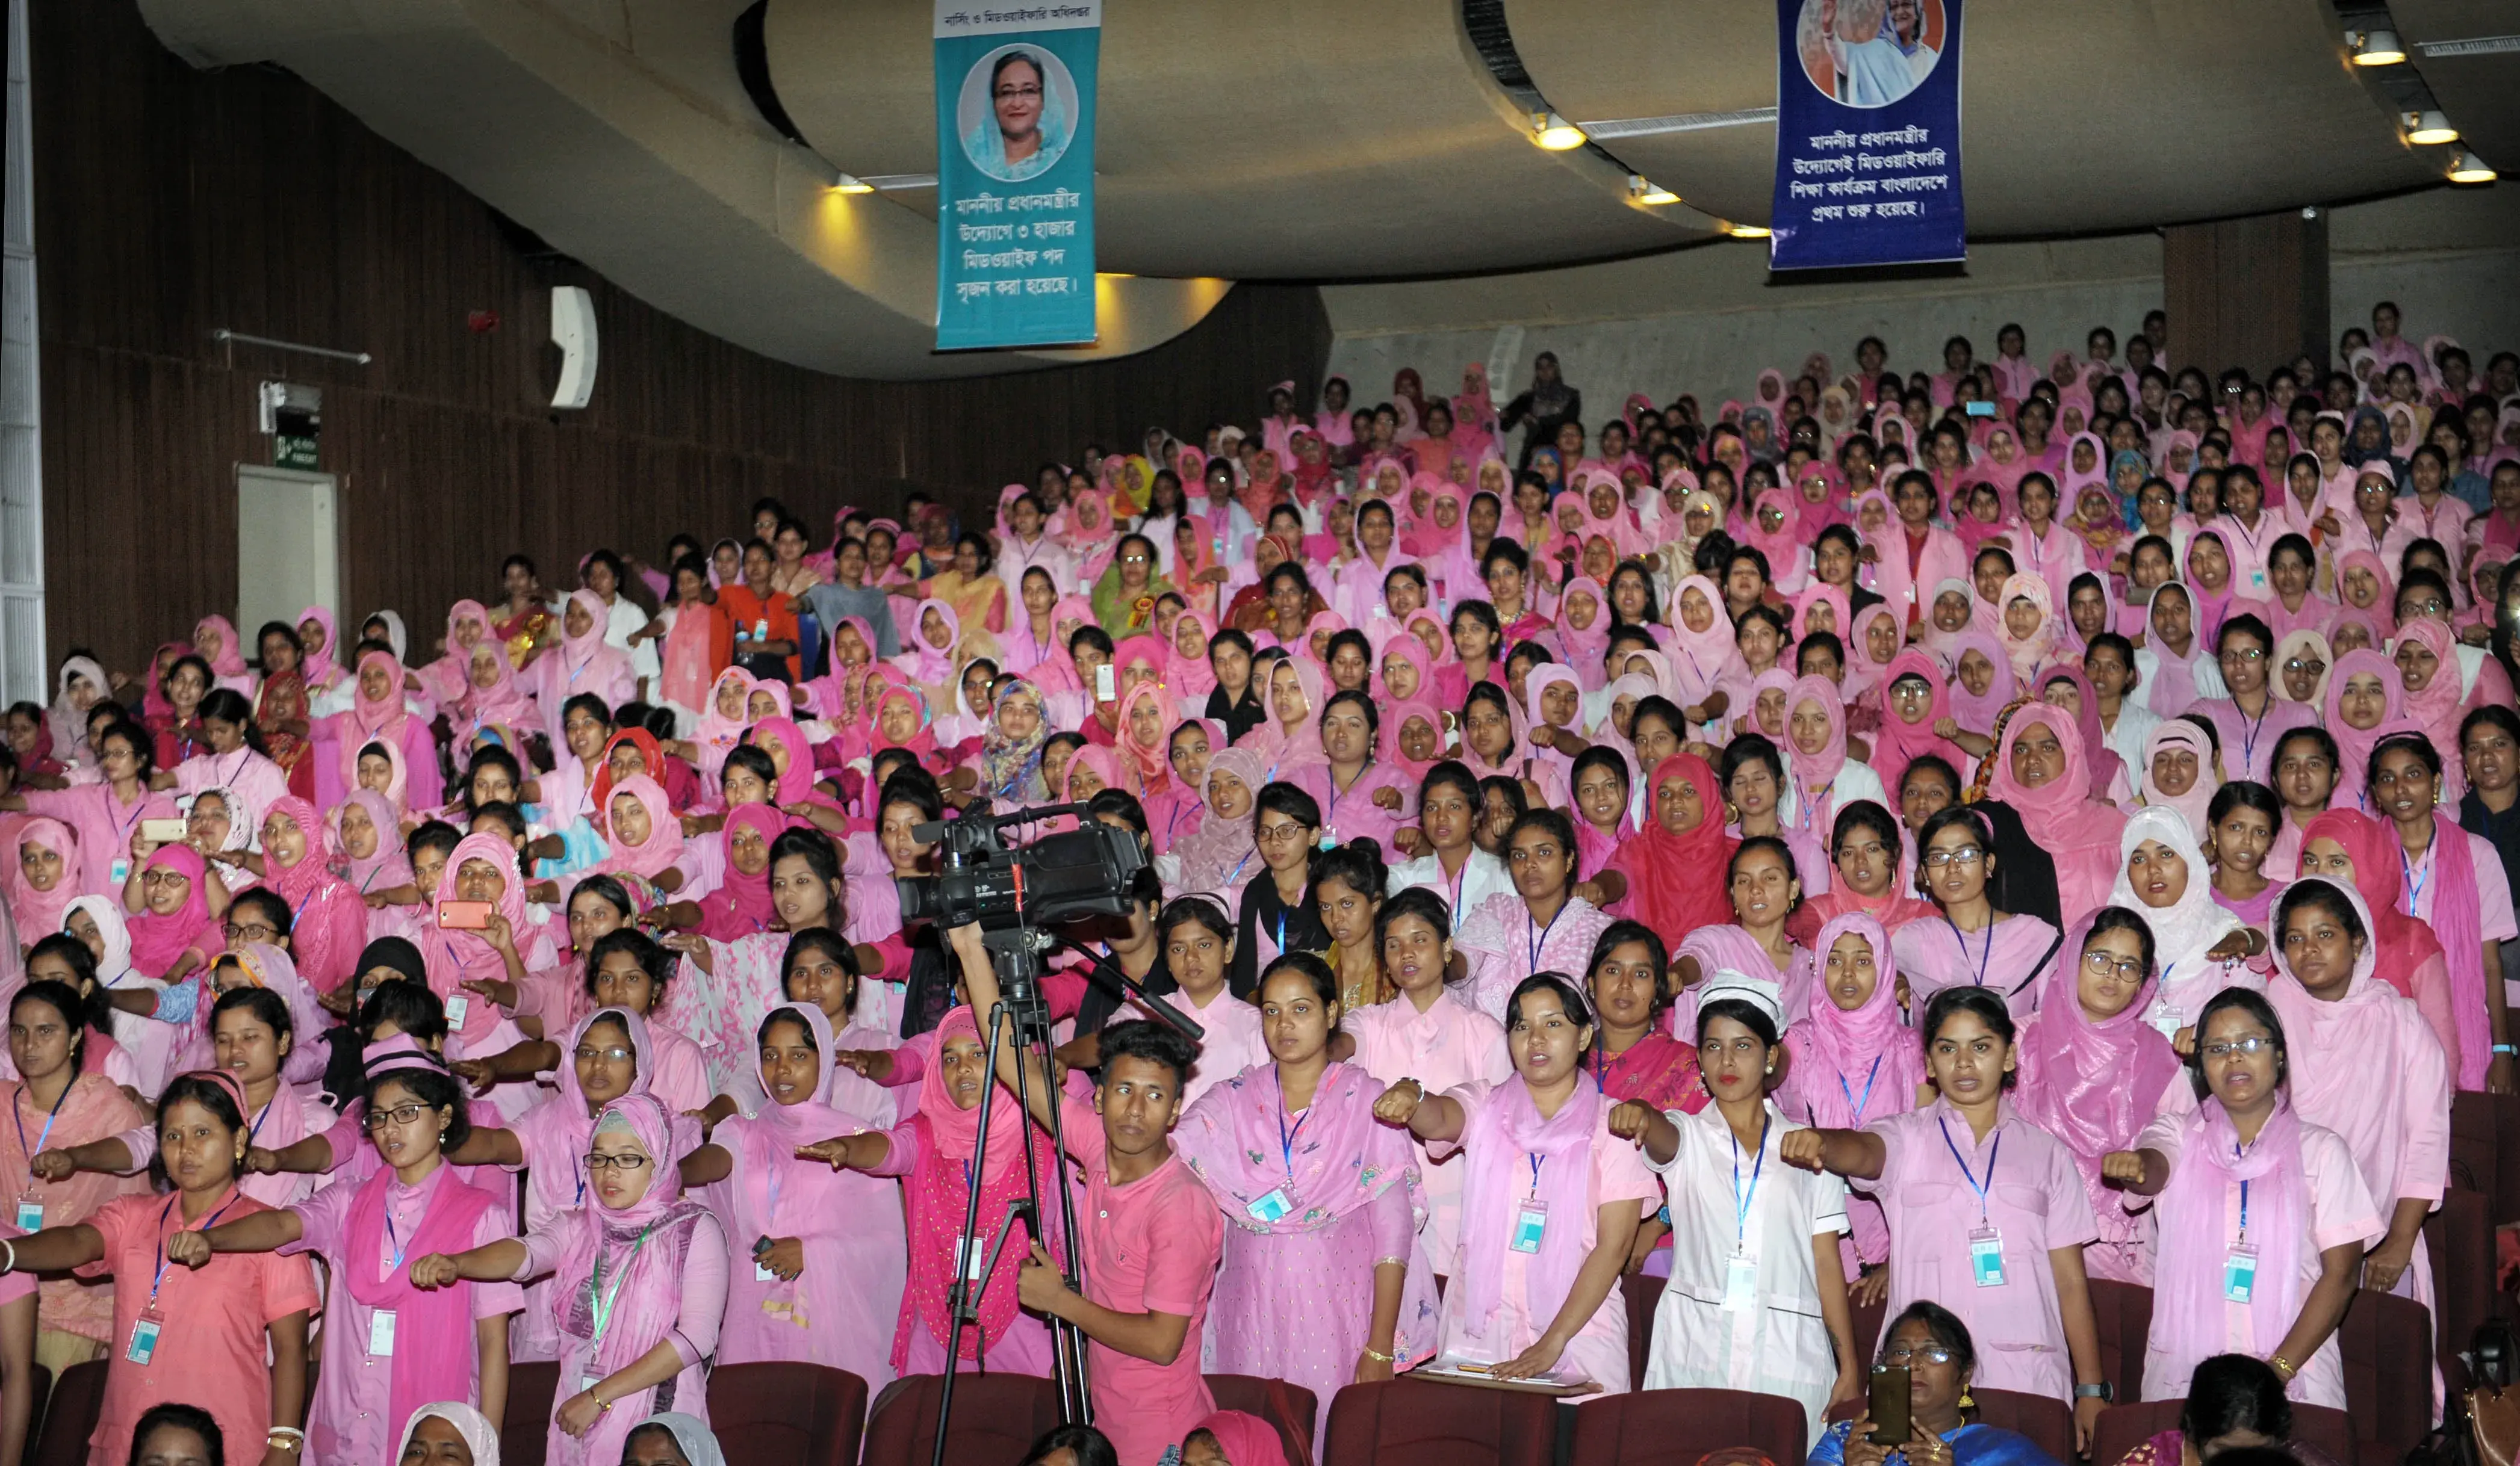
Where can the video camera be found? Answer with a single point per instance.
(1087, 872)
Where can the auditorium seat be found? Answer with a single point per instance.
(533, 1393)
(1642, 1294)
(789, 1414)
(995, 1417)
(2124, 1311)
(2506, 1142)
(1291, 1407)
(2460, 1242)
(1405, 1422)
(2387, 1344)
(70, 1417)
(1866, 1323)
(2472, 1154)
(1676, 1426)
(2048, 1423)
(2123, 1428)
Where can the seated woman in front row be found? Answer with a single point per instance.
(1933, 1346)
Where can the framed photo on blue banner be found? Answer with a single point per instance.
(1867, 134)
(1014, 173)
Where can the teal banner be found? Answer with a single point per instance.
(1014, 173)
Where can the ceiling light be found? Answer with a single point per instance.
(1555, 133)
(2429, 127)
(2376, 47)
(850, 183)
(1650, 194)
(2467, 167)
(1746, 231)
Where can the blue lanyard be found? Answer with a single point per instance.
(1461, 878)
(1742, 1201)
(400, 1246)
(1540, 944)
(1992, 1151)
(2415, 882)
(2244, 1210)
(1854, 1106)
(1536, 1158)
(1983, 957)
(16, 1113)
(1287, 1138)
(160, 1276)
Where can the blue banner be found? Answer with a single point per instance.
(1867, 134)
(1014, 173)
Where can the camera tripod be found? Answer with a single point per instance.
(1015, 954)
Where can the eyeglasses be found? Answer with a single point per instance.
(2250, 1047)
(1967, 855)
(2309, 664)
(2245, 654)
(2103, 964)
(1283, 832)
(628, 1161)
(401, 1114)
(605, 1055)
(1926, 1353)
(252, 931)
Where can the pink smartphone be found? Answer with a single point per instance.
(463, 916)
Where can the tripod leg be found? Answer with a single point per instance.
(1076, 1405)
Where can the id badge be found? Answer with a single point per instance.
(121, 874)
(1530, 1223)
(2170, 1022)
(586, 1383)
(30, 1216)
(2240, 1274)
(762, 1274)
(1740, 1284)
(381, 1334)
(1271, 1207)
(144, 1341)
(456, 1007)
(972, 1253)
(1986, 1257)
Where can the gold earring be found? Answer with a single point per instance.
(1967, 1403)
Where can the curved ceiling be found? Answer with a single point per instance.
(2109, 114)
(1298, 139)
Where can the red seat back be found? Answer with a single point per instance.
(996, 1416)
(534, 1394)
(70, 1416)
(1676, 1426)
(1407, 1422)
(789, 1414)
(2387, 1344)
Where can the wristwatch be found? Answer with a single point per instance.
(2103, 1391)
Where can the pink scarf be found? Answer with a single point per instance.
(1337, 1161)
(2354, 744)
(939, 1187)
(2080, 833)
(387, 867)
(2458, 922)
(230, 660)
(39, 913)
(374, 721)
(328, 923)
(1975, 711)
(2178, 734)
(454, 957)
(2189, 1313)
(1699, 658)
(157, 941)
(433, 1356)
(931, 664)
(664, 843)
(1186, 676)
(1513, 1153)
(741, 905)
(2091, 1085)
(2105, 763)
(1855, 1066)
(1815, 803)
(642, 1247)
(685, 656)
(1896, 743)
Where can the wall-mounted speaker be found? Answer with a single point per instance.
(572, 331)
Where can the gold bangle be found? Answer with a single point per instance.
(2283, 1366)
(1377, 1356)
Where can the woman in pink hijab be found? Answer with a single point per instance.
(494, 700)
(2365, 694)
(837, 1256)
(483, 867)
(216, 638)
(583, 662)
(321, 668)
(657, 855)
(2093, 1072)
(174, 933)
(448, 677)
(1854, 1061)
(2048, 784)
(1974, 708)
(2180, 771)
(40, 850)
(378, 715)
(328, 919)
(660, 1261)
(1703, 652)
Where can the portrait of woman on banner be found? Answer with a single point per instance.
(1017, 111)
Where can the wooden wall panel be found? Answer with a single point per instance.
(2252, 290)
(172, 202)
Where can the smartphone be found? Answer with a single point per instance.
(1106, 683)
(1981, 409)
(463, 916)
(162, 832)
(1891, 1425)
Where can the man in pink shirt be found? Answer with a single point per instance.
(1150, 1236)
